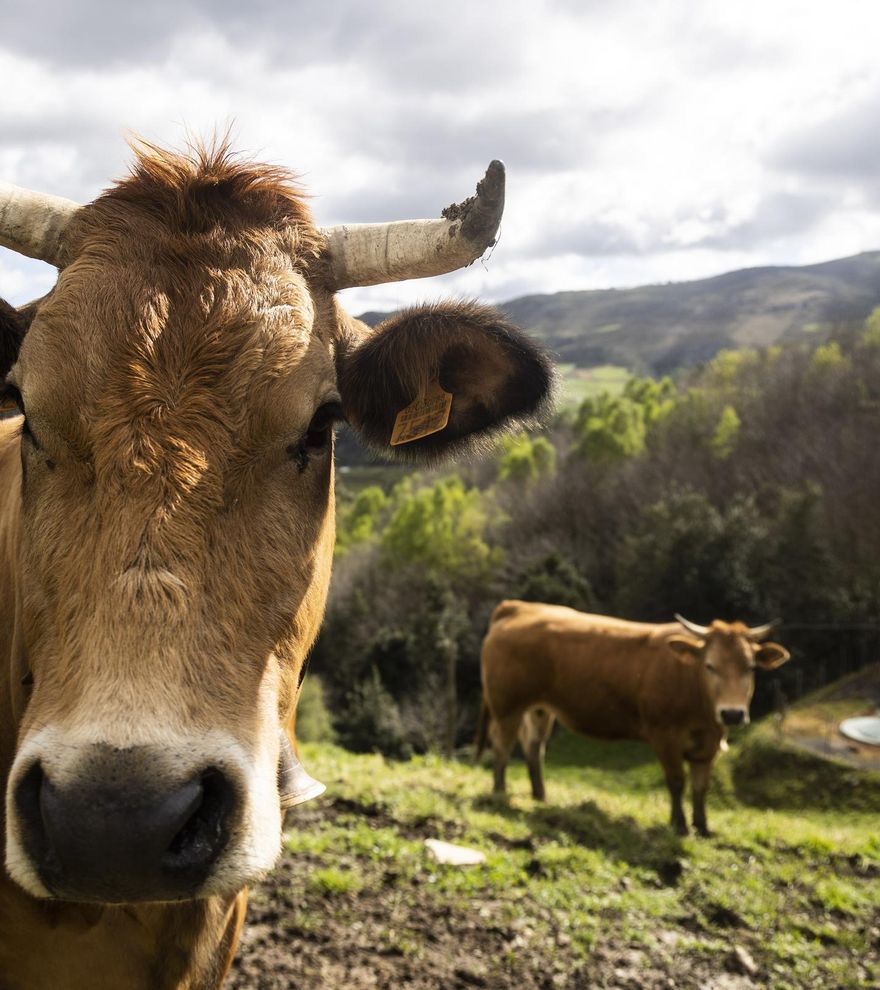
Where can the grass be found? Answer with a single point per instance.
(596, 871)
(583, 383)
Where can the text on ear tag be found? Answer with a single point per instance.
(427, 414)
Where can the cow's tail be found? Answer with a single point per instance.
(482, 736)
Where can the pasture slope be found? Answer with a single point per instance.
(591, 890)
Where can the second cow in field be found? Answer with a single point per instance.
(678, 686)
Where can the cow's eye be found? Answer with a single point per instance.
(711, 669)
(316, 439)
(320, 429)
(11, 400)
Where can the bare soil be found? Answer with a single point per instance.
(391, 936)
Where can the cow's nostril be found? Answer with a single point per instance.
(117, 838)
(732, 716)
(206, 830)
(30, 813)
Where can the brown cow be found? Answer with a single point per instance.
(613, 679)
(166, 532)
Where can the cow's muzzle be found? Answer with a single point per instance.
(733, 716)
(114, 837)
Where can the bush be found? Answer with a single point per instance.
(370, 721)
(556, 580)
(313, 723)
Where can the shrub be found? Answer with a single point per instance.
(313, 723)
(370, 720)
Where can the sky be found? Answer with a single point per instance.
(645, 140)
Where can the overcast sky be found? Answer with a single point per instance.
(645, 140)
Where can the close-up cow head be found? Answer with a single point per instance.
(727, 655)
(170, 494)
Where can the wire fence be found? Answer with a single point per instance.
(820, 653)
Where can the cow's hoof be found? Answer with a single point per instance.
(704, 831)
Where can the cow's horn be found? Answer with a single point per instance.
(33, 223)
(372, 253)
(759, 632)
(295, 785)
(692, 627)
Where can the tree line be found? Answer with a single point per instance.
(749, 489)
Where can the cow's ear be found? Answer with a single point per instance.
(685, 649)
(457, 372)
(769, 656)
(12, 330)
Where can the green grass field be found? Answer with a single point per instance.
(589, 890)
(584, 383)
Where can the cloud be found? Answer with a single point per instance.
(844, 145)
(644, 140)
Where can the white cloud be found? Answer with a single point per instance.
(646, 140)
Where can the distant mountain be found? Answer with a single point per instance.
(658, 328)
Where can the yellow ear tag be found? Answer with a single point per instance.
(427, 414)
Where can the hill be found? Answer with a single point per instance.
(658, 328)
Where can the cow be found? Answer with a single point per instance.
(678, 686)
(167, 528)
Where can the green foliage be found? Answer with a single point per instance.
(357, 523)
(610, 428)
(441, 529)
(555, 579)
(654, 397)
(370, 720)
(313, 723)
(684, 551)
(871, 333)
(827, 357)
(723, 440)
(525, 459)
(729, 367)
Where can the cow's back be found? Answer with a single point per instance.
(593, 671)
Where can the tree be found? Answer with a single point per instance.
(358, 523)
(723, 439)
(610, 428)
(525, 459)
(442, 529)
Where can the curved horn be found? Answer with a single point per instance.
(692, 627)
(33, 223)
(759, 632)
(373, 253)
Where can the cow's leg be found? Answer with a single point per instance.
(503, 735)
(700, 771)
(534, 731)
(672, 761)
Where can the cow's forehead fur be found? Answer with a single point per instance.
(195, 286)
(729, 643)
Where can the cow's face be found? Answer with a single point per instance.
(726, 658)
(180, 387)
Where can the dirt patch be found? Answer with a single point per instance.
(371, 944)
(397, 931)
